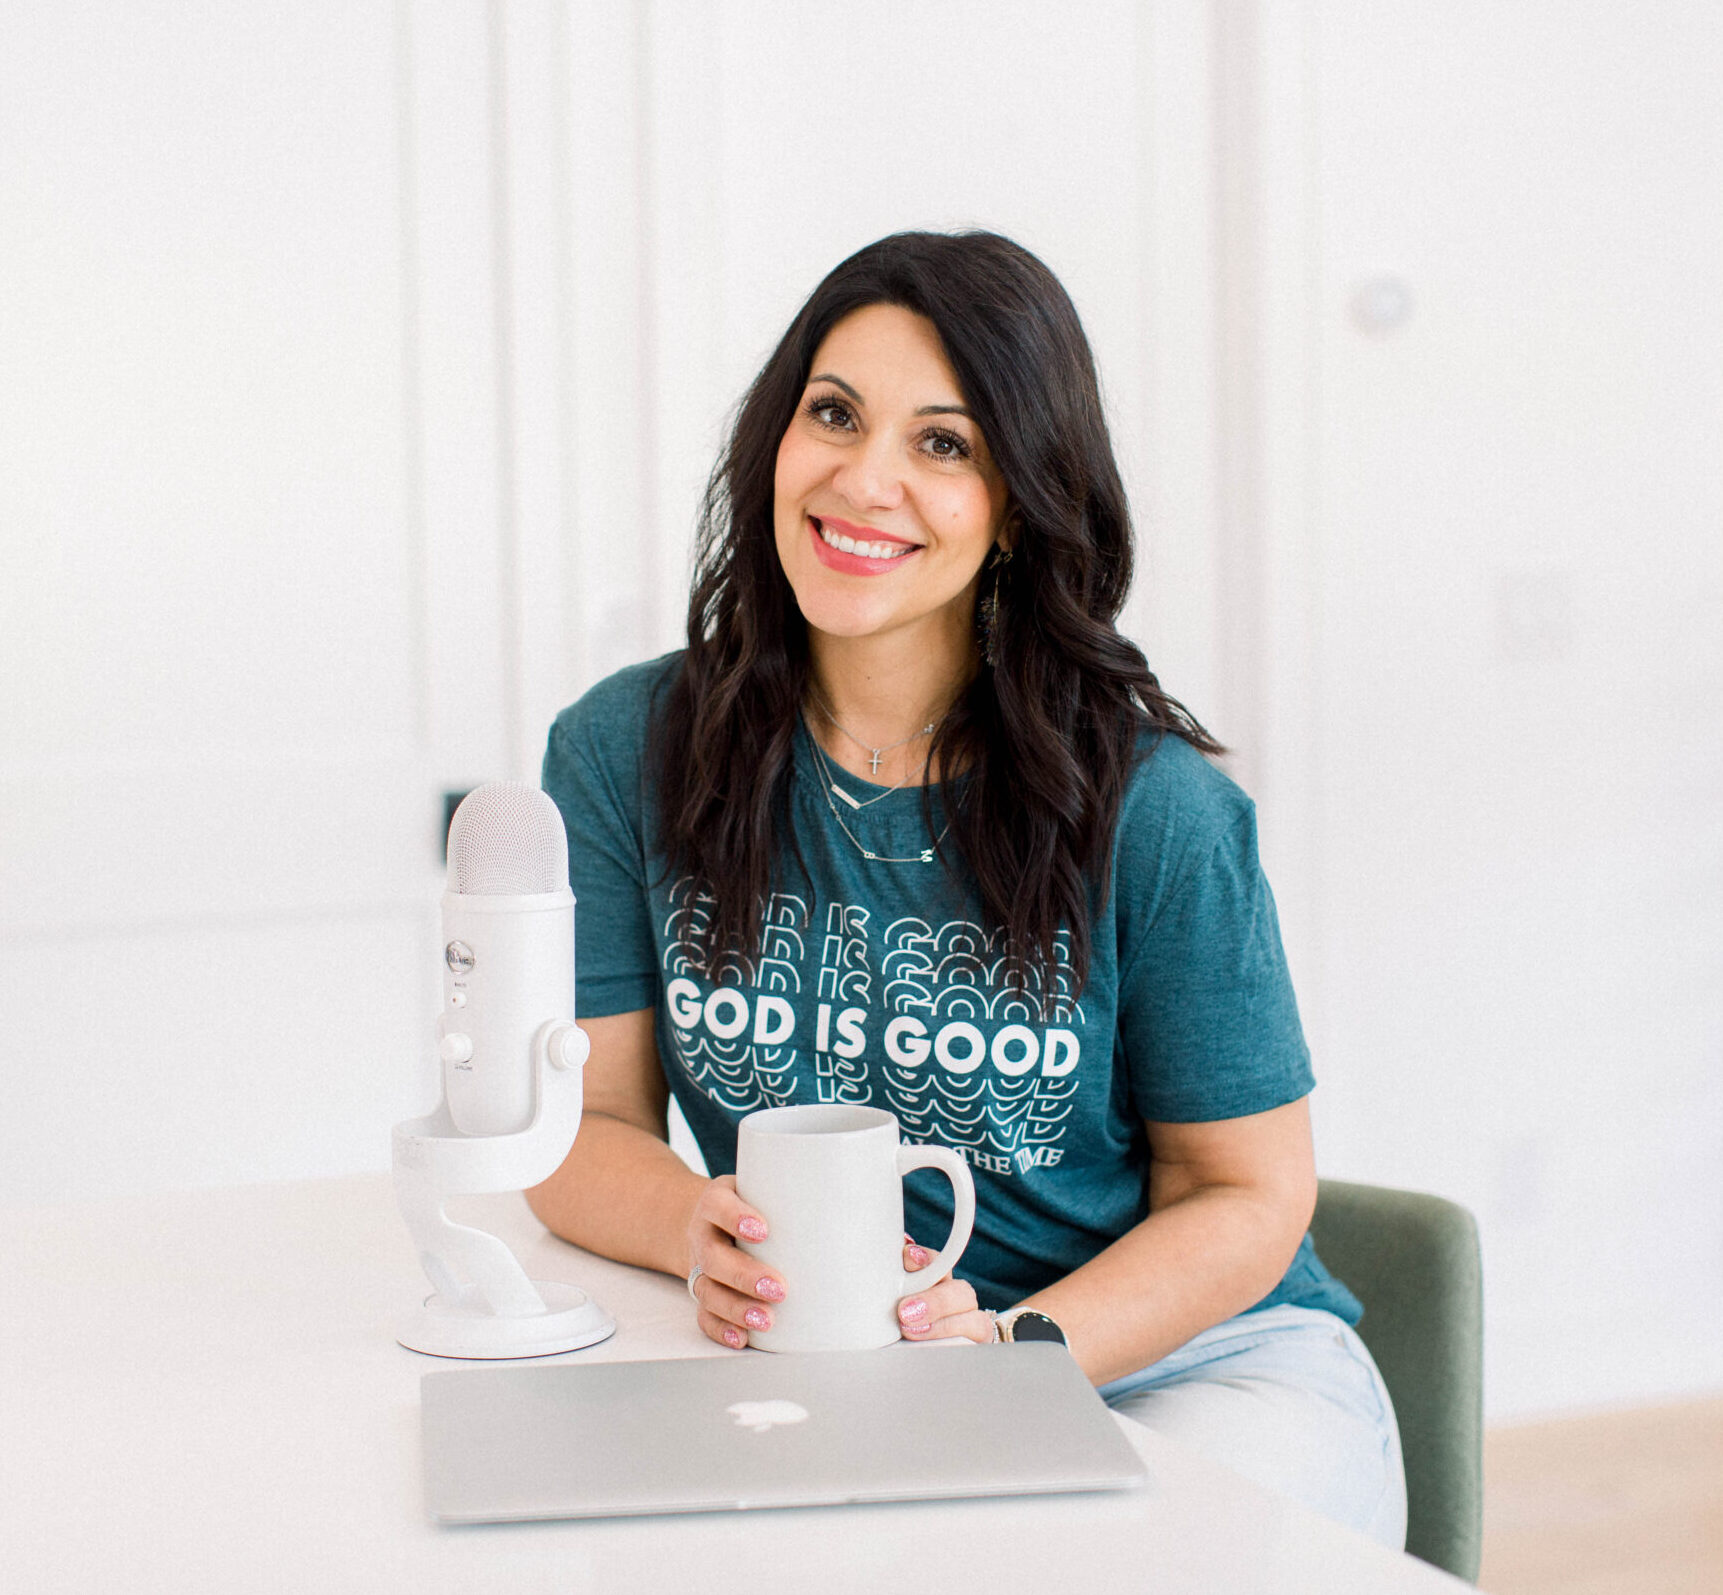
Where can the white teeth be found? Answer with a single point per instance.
(849, 545)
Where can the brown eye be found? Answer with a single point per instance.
(946, 446)
(828, 412)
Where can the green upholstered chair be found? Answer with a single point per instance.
(1413, 1261)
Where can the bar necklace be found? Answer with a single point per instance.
(828, 786)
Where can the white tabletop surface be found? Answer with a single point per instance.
(202, 1392)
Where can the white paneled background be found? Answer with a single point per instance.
(361, 365)
(1511, 528)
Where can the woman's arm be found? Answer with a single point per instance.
(1229, 1202)
(621, 1191)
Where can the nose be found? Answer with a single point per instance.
(871, 475)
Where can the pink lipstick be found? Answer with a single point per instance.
(855, 564)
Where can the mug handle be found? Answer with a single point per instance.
(962, 1218)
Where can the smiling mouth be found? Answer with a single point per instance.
(863, 550)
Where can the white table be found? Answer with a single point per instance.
(201, 1393)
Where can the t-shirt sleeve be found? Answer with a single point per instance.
(1208, 1024)
(592, 771)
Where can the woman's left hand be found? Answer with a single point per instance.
(942, 1311)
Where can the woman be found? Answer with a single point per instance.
(909, 822)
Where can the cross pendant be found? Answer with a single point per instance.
(874, 761)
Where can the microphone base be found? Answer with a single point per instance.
(467, 1329)
(485, 1308)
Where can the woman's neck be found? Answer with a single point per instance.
(869, 693)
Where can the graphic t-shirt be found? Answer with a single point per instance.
(875, 982)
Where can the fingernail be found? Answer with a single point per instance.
(916, 1329)
(752, 1229)
(919, 1256)
(912, 1309)
(769, 1290)
(757, 1318)
(733, 1338)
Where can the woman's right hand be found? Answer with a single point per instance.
(734, 1291)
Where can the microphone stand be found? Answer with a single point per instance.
(484, 1306)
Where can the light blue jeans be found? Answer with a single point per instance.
(1290, 1398)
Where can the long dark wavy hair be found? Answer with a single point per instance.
(1046, 736)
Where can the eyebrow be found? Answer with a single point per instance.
(926, 409)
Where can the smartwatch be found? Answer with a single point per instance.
(1027, 1324)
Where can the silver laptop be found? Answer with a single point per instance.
(704, 1434)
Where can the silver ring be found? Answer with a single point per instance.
(697, 1272)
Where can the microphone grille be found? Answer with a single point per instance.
(507, 840)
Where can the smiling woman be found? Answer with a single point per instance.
(935, 391)
(909, 823)
(882, 433)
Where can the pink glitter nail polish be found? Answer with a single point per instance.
(769, 1290)
(751, 1229)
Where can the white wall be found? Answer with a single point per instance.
(1496, 767)
(214, 810)
(373, 357)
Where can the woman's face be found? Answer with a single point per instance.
(886, 500)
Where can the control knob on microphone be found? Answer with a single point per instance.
(456, 1049)
(567, 1046)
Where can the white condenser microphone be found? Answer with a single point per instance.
(508, 954)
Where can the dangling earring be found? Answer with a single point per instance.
(990, 606)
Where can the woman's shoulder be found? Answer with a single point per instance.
(1170, 770)
(1179, 802)
(1185, 864)
(611, 716)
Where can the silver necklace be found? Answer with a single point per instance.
(827, 786)
(856, 803)
(874, 754)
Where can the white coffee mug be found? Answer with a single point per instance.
(828, 1180)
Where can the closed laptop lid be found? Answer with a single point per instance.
(761, 1430)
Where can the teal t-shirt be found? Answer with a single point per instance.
(875, 982)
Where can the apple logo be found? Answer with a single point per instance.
(763, 1415)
